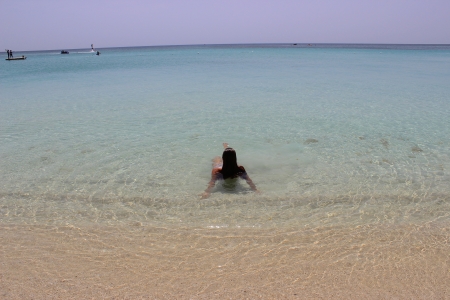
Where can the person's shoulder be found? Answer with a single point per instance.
(242, 173)
(216, 170)
(217, 173)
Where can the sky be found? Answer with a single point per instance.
(74, 24)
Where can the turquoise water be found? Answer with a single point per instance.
(330, 134)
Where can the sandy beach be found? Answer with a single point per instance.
(138, 262)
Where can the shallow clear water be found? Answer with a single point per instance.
(331, 134)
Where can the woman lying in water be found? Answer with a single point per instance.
(227, 167)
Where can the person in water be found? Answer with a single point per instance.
(227, 167)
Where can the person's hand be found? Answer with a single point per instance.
(204, 195)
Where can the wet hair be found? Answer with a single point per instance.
(230, 168)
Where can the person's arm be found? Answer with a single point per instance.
(249, 182)
(211, 184)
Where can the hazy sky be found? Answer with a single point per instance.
(60, 24)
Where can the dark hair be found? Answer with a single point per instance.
(230, 168)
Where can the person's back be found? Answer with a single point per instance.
(227, 168)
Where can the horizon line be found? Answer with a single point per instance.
(236, 44)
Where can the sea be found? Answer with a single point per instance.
(344, 142)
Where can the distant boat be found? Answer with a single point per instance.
(64, 52)
(17, 58)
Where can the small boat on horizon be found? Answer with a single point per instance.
(64, 52)
(17, 58)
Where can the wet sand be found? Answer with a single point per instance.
(142, 262)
